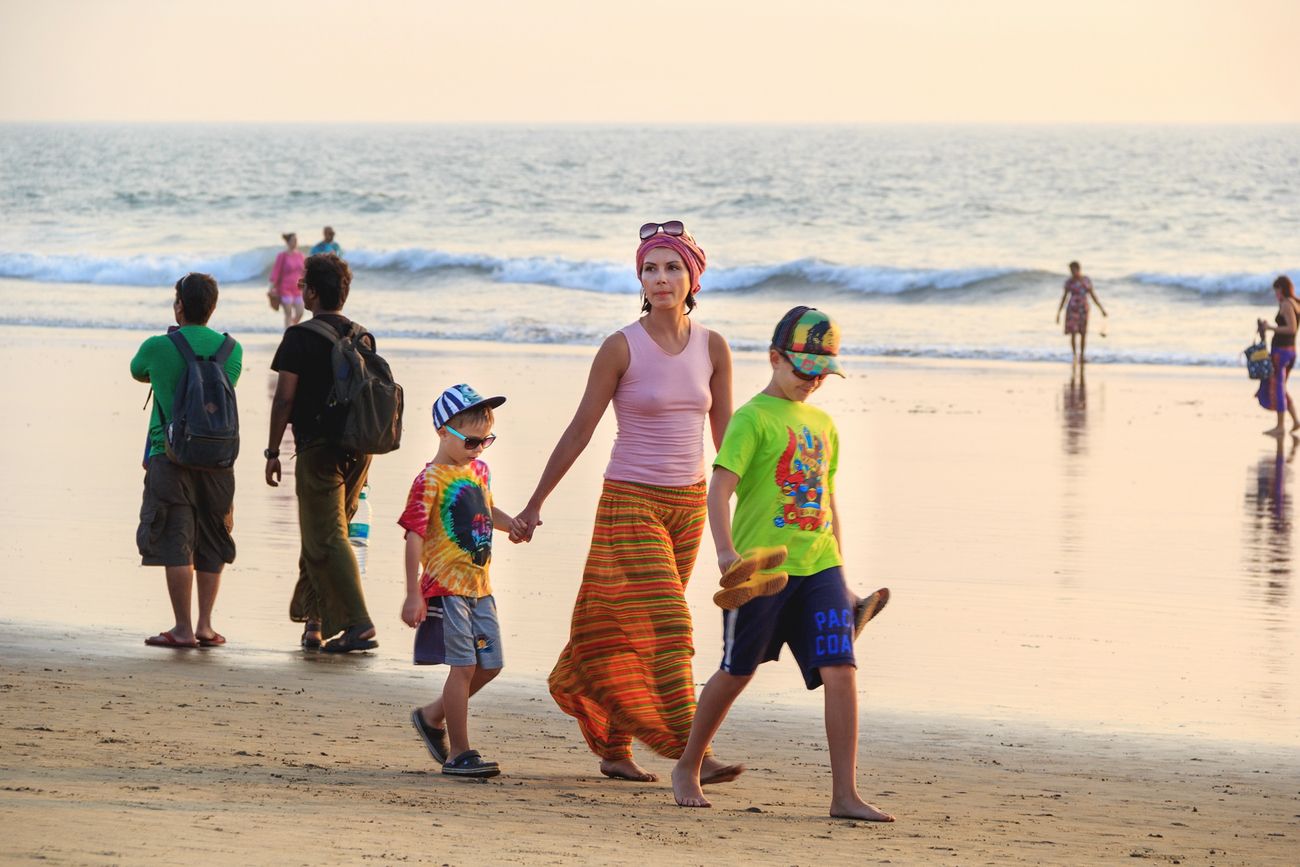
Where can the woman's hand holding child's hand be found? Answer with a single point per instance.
(521, 529)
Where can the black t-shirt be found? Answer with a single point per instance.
(307, 354)
(1284, 341)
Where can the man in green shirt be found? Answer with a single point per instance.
(187, 514)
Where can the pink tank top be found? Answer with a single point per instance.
(660, 405)
(288, 269)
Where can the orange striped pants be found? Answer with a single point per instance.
(626, 671)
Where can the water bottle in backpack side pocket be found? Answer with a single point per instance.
(359, 530)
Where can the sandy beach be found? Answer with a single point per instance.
(1091, 653)
(119, 757)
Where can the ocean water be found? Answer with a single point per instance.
(925, 240)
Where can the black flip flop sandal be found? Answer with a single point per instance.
(470, 764)
(434, 739)
(350, 641)
(868, 608)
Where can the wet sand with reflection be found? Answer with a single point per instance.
(1076, 552)
(1102, 567)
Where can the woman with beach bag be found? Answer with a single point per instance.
(1272, 393)
(626, 671)
(285, 292)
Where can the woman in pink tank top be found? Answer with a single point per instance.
(626, 671)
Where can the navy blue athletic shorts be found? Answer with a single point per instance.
(813, 615)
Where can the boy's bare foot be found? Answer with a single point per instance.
(713, 771)
(686, 788)
(856, 808)
(626, 769)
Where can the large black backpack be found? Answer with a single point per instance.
(364, 403)
(203, 431)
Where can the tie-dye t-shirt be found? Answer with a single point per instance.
(786, 454)
(451, 508)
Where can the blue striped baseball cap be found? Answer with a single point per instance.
(459, 398)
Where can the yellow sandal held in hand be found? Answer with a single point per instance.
(751, 577)
(753, 560)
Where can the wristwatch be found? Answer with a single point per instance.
(270, 454)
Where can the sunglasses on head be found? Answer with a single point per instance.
(472, 443)
(676, 228)
(806, 377)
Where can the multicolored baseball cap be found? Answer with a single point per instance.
(459, 398)
(811, 341)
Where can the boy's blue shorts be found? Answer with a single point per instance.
(460, 630)
(813, 614)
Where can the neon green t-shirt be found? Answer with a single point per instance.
(786, 454)
(160, 364)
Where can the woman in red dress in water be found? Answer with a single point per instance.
(1077, 289)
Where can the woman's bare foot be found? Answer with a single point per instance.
(856, 808)
(1275, 431)
(626, 769)
(686, 788)
(713, 771)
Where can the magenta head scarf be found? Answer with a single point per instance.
(692, 256)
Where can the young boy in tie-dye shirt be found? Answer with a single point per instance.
(449, 518)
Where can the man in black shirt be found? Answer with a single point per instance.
(328, 479)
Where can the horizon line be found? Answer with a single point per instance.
(643, 124)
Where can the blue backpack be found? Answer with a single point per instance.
(204, 428)
(1258, 363)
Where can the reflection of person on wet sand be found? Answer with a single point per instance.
(1075, 412)
(1272, 392)
(1269, 520)
(1077, 290)
(1275, 473)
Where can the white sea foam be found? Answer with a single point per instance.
(139, 270)
(1216, 284)
(601, 276)
(537, 270)
(868, 279)
(584, 275)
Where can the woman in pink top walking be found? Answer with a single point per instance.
(626, 671)
(286, 275)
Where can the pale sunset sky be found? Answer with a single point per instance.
(712, 61)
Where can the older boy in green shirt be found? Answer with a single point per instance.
(779, 458)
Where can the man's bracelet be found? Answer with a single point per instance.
(270, 454)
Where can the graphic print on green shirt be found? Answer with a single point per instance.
(158, 363)
(786, 454)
